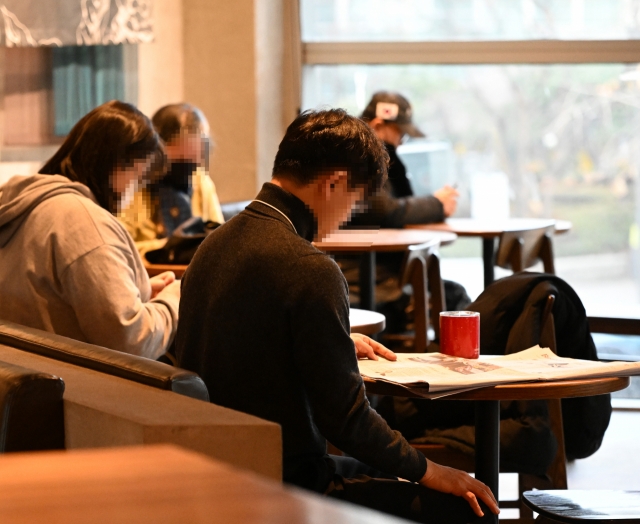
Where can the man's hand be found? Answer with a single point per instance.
(369, 348)
(449, 197)
(159, 282)
(456, 482)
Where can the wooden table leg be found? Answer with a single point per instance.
(368, 281)
(488, 444)
(488, 260)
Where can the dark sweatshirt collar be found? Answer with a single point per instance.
(295, 209)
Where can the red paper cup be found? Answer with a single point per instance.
(460, 333)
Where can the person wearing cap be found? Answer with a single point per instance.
(390, 116)
(395, 206)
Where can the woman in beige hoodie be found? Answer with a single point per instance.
(66, 264)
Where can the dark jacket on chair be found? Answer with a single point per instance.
(510, 317)
(510, 311)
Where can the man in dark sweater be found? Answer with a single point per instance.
(264, 320)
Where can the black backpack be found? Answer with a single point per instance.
(183, 243)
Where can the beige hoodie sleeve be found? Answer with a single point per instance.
(101, 288)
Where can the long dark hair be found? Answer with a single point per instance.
(113, 134)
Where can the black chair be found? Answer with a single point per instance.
(31, 410)
(593, 506)
(117, 363)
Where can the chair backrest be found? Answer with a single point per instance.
(131, 367)
(557, 471)
(31, 410)
(592, 506)
(421, 270)
(520, 249)
(231, 209)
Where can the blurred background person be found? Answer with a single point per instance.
(389, 114)
(185, 189)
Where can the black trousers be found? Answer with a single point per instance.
(359, 484)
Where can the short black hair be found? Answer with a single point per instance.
(111, 135)
(173, 119)
(318, 141)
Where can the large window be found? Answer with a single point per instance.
(564, 137)
(534, 104)
(415, 20)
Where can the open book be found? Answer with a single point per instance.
(429, 373)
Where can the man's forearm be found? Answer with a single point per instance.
(420, 210)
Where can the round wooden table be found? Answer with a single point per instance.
(489, 231)
(471, 227)
(366, 322)
(129, 484)
(383, 240)
(369, 241)
(487, 461)
(156, 269)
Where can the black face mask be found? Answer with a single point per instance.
(179, 176)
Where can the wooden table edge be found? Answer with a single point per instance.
(156, 269)
(443, 227)
(366, 247)
(521, 391)
(562, 227)
(369, 328)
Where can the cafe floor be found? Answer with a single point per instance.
(614, 466)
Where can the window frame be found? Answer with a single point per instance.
(472, 52)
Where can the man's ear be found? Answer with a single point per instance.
(329, 182)
(376, 123)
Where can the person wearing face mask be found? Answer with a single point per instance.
(185, 190)
(68, 265)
